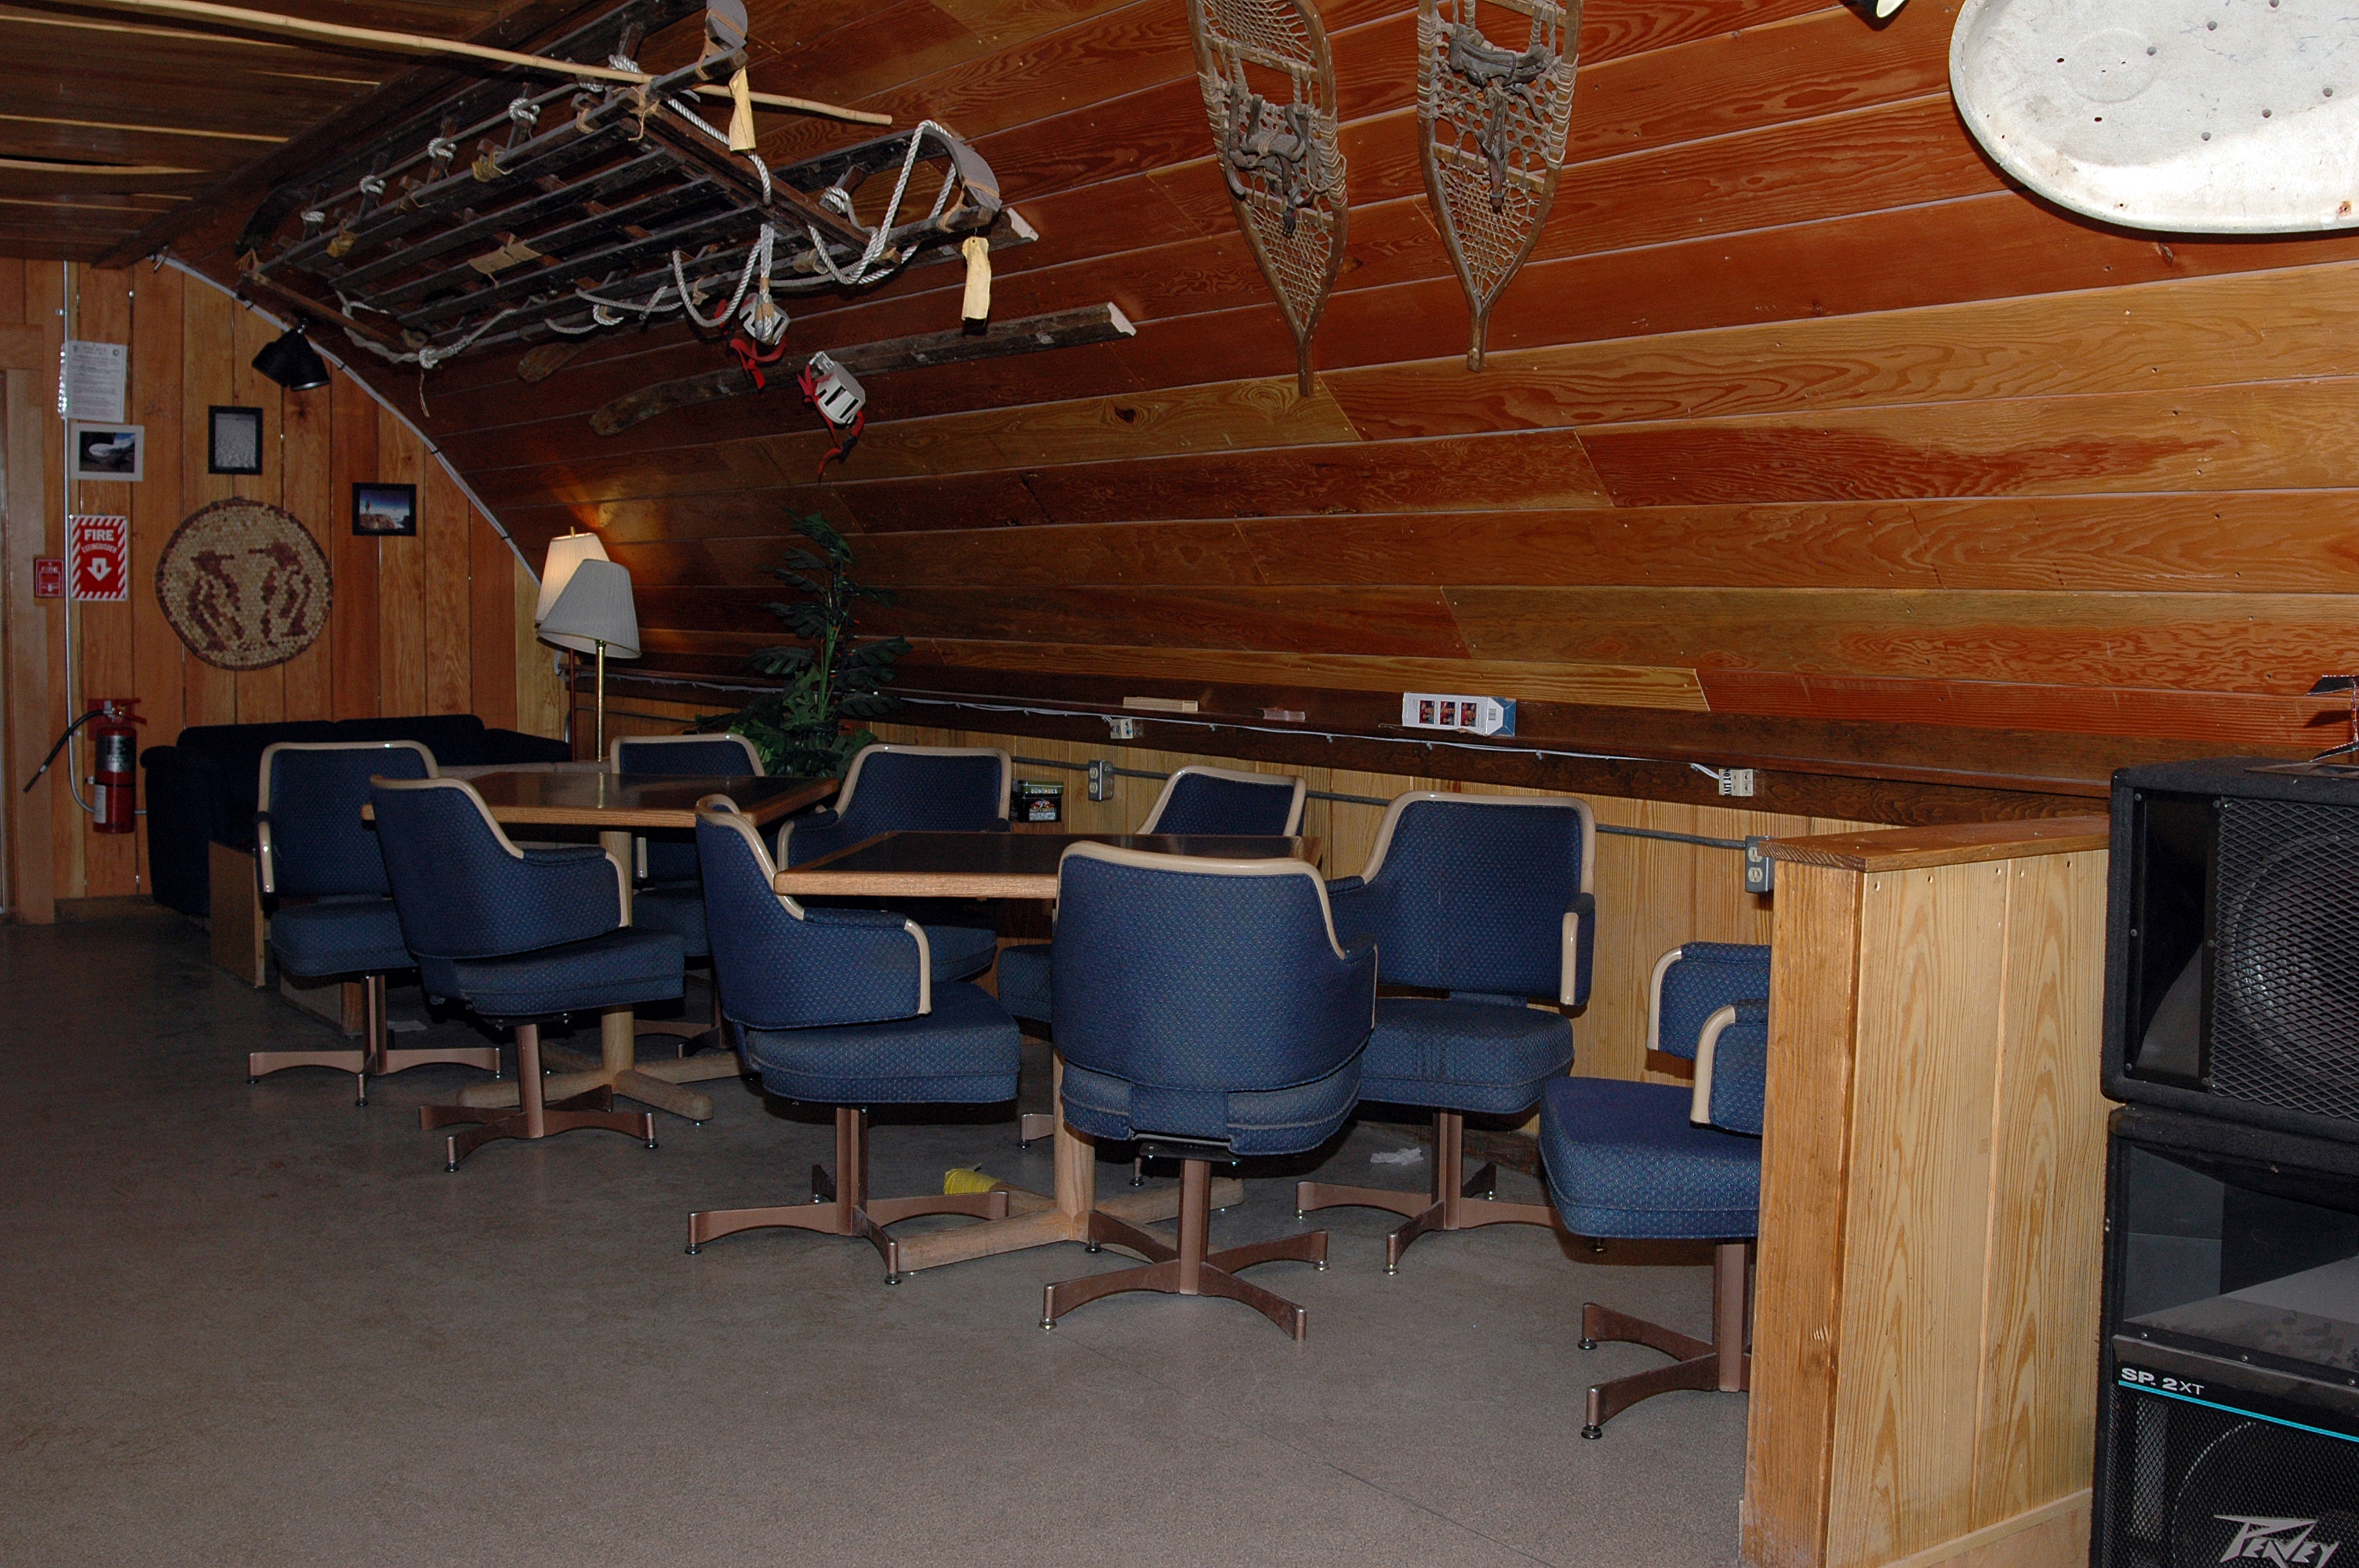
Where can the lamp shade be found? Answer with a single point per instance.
(565, 552)
(292, 361)
(594, 608)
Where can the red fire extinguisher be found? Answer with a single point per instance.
(116, 747)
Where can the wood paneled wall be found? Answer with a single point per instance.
(437, 623)
(1652, 893)
(1802, 416)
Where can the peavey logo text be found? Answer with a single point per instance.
(2277, 1540)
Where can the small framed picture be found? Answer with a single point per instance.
(115, 452)
(381, 509)
(235, 441)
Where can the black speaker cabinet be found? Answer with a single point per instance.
(2232, 952)
(2228, 1407)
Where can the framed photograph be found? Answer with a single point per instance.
(112, 452)
(235, 441)
(381, 509)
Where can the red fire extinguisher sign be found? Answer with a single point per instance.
(98, 559)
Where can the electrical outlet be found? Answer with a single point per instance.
(1736, 780)
(1448, 710)
(1121, 728)
(1101, 777)
(1760, 871)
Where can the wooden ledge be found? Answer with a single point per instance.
(1950, 844)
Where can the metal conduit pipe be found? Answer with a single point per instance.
(1736, 845)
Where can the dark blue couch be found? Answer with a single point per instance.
(201, 789)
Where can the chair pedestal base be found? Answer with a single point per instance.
(538, 1118)
(1724, 1364)
(1188, 1270)
(374, 1059)
(840, 1205)
(1452, 1205)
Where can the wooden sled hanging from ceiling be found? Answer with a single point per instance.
(523, 210)
(1279, 155)
(1491, 131)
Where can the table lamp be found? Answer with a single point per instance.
(566, 552)
(594, 612)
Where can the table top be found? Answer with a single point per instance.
(998, 865)
(614, 801)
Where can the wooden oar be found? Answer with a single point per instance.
(419, 43)
(43, 165)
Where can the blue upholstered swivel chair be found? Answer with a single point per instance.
(905, 789)
(1656, 1161)
(916, 789)
(670, 899)
(1227, 801)
(1489, 899)
(522, 936)
(312, 843)
(1206, 1009)
(1217, 802)
(838, 1007)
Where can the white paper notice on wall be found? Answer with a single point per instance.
(91, 381)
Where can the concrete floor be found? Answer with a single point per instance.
(255, 1325)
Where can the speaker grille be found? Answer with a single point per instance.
(2285, 1028)
(2262, 1492)
(2193, 1486)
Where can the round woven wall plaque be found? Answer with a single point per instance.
(244, 585)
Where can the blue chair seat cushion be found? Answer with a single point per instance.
(621, 969)
(1024, 982)
(1623, 1161)
(675, 907)
(959, 952)
(1453, 1053)
(1257, 1121)
(963, 1052)
(345, 936)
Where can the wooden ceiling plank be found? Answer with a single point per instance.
(141, 129)
(2192, 332)
(1395, 622)
(1613, 682)
(2271, 645)
(1538, 471)
(2212, 717)
(521, 23)
(2295, 435)
(2265, 541)
(1798, 69)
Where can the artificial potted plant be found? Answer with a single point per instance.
(832, 676)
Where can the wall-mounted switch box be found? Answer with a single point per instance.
(1760, 871)
(1122, 728)
(1101, 778)
(1736, 780)
(1470, 715)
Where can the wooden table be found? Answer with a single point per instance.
(1020, 865)
(614, 805)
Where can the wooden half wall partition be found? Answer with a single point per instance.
(1924, 1368)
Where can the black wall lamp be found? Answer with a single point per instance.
(292, 361)
(1878, 11)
